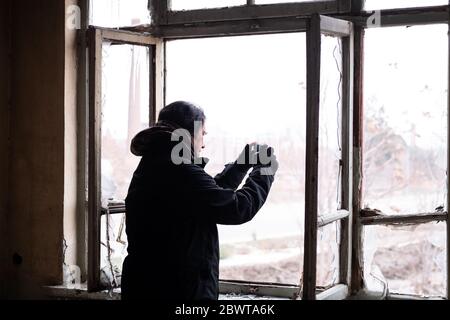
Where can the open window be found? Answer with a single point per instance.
(265, 256)
(122, 102)
(253, 88)
(328, 154)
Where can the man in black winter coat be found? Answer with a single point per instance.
(173, 208)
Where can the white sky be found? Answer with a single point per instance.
(406, 72)
(237, 79)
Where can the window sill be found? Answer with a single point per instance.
(81, 293)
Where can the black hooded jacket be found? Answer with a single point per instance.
(172, 212)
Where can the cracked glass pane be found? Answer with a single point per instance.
(118, 13)
(330, 120)
(113, 249)
(392, 4)
(328, 240)
(405, 119)
(410, 259)
(252, 88)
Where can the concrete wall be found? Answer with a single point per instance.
(4, 135)
(37, 152)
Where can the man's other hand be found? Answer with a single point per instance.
(267, 161)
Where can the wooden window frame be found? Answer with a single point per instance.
(249, 18)
(367, 217)
(252, 10)
(96, 37)
(318, 26)
(267, 19)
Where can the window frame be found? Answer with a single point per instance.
(389, 18)
(251, 10)
(266, 19)
(323, 25)
(96, 37)
(239, 20)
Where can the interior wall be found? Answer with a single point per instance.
(70, 134)
(37, 154)
(4, 134)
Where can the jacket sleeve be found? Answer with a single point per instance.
(231, 176)
(224, 205)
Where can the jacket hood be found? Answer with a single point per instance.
(151, 139)
(157, 142)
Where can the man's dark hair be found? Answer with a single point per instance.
(182, 114)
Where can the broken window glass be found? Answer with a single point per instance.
(328, 244)
(391, 4)
(252, 88)
(113, 249)
(409, 259)
(330, 126)
(405, 119)
(204, 4)
(118, 13)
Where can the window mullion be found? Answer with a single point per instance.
(448, 166)
(312, 158)
(347, 158)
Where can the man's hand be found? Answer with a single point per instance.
(266, 160)
(249, 156)
(258, 156)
